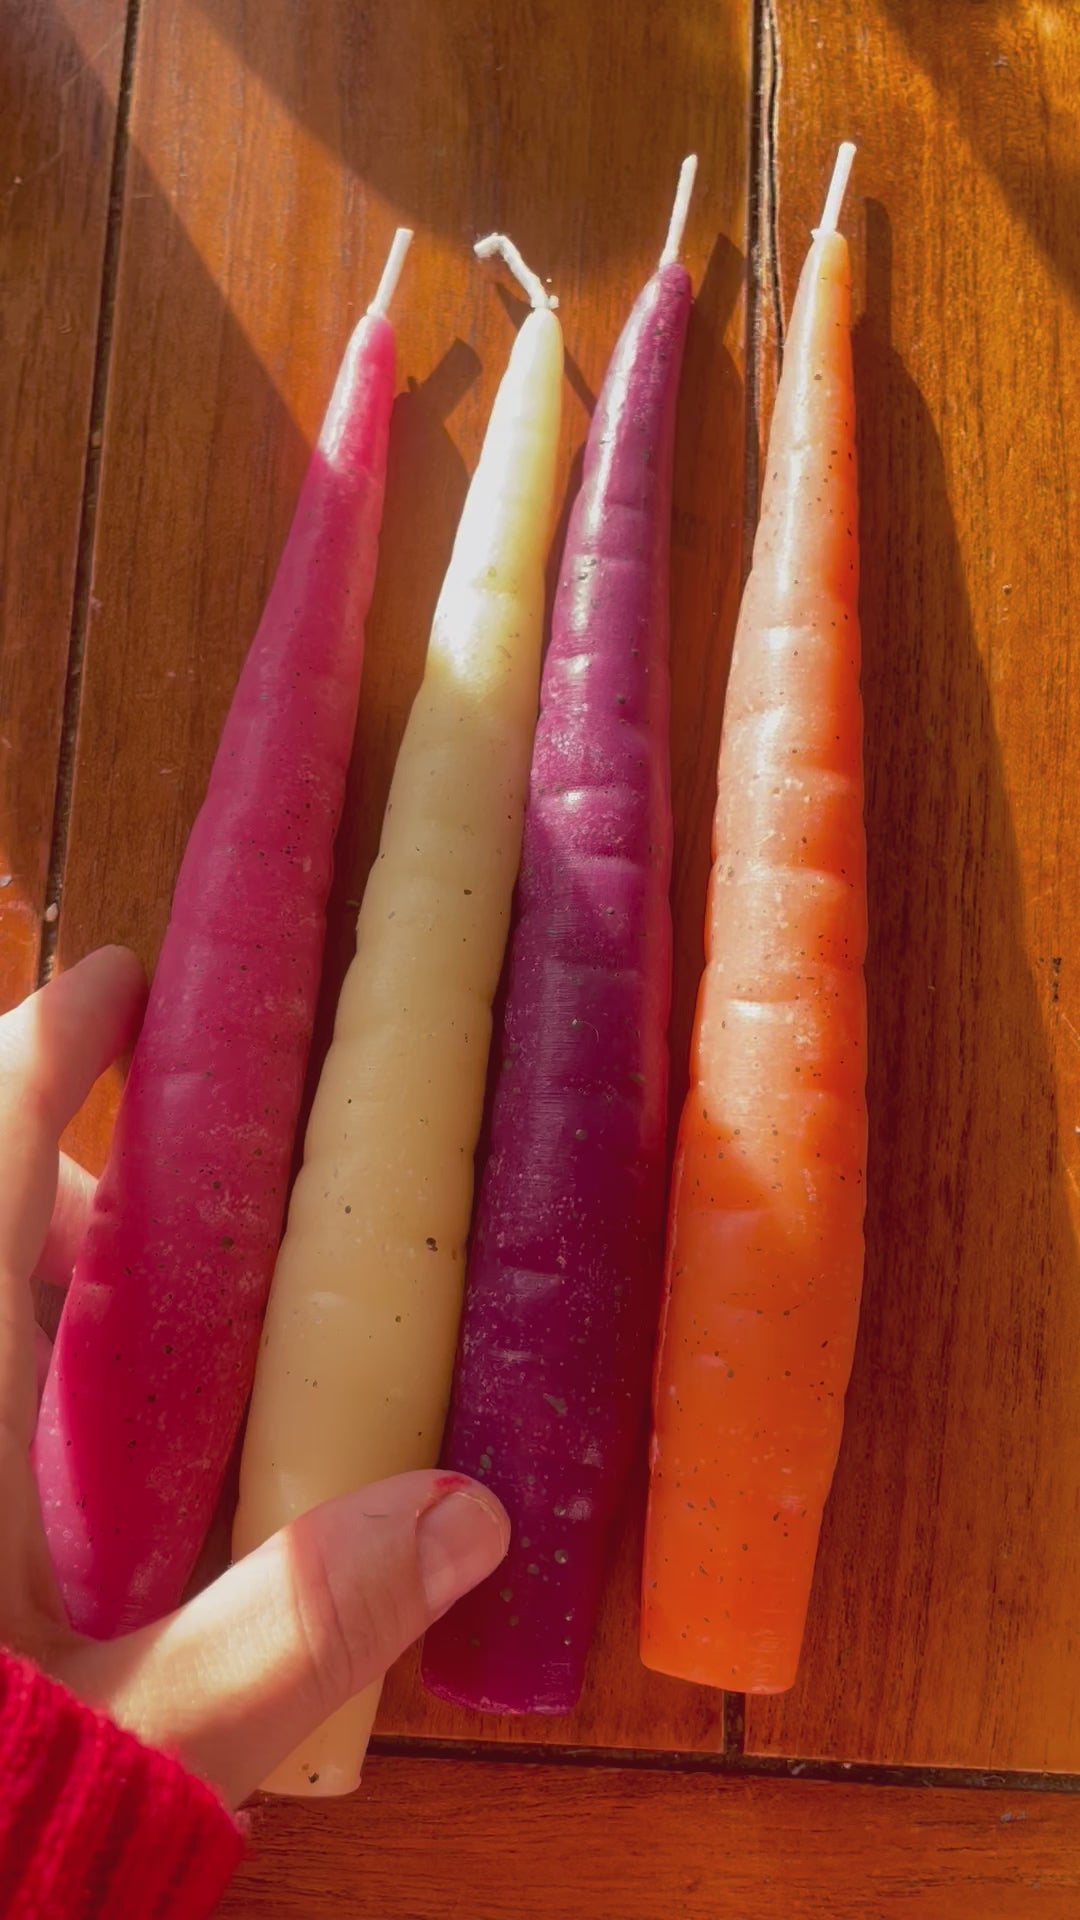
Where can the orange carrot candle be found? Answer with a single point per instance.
(765, 1241)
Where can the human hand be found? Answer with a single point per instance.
(237, 1678)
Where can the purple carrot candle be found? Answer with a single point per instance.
(564, 1268)
(156, 1348)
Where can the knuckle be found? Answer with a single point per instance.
(351, 1628)
(325, 1644)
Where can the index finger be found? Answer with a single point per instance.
(52, 1049)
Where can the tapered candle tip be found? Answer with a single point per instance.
(531, 282)
(391, 273)
(677, 224)
(834, 199)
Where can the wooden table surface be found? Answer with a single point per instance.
(196, 196)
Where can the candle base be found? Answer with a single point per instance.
(329, 1764)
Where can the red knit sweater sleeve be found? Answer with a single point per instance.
(94, 1824)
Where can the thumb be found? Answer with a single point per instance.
(245, 1672)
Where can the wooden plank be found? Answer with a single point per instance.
(58, 90)
(434, 1840)
(944, 1618)
(269, 163)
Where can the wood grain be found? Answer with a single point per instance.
(944, 1616)
(268, 166)
(57, 118)
(436, 1840)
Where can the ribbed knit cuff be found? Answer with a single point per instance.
(92, 1823)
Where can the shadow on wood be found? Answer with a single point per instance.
(981, 60)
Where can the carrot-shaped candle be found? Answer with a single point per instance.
(356, 1359)
(765, 1244)
(156, 1348)
(564, 1268)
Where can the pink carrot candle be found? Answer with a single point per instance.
(156, 1349)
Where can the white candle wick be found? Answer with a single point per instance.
(391, 273)
(834, 199)
(687, 176)
(531, 282)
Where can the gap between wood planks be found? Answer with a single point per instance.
(763, 351)
(84, 557)
(732, 1765)
(764, 308)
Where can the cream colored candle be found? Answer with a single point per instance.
(357, 1354)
